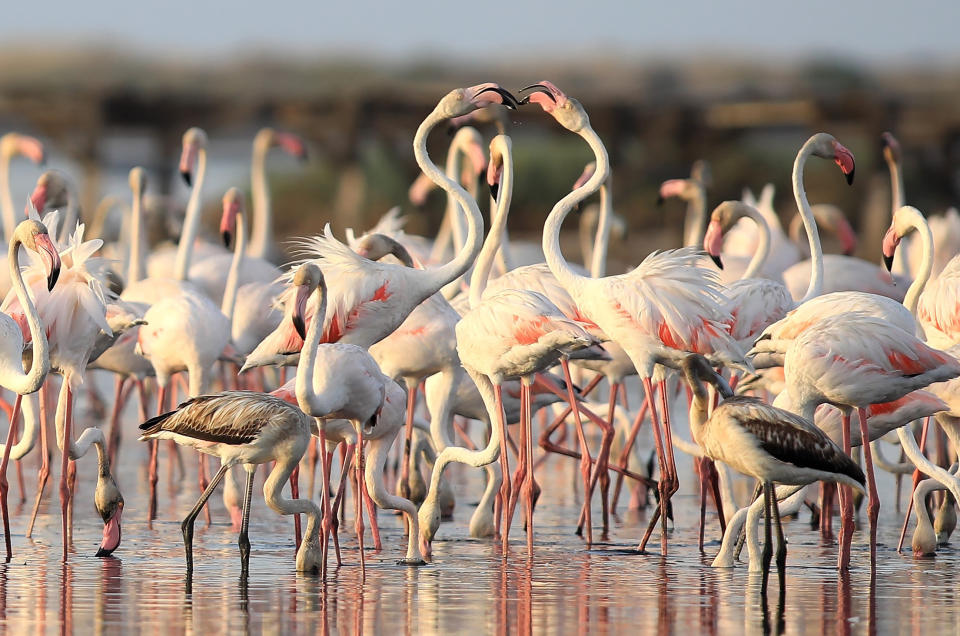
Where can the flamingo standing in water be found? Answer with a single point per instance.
(668, 304)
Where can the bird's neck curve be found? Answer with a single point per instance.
(233, 276)
(815, 287)
(598, 259)
(30, 381)
(135, 264)
(307, 398)
(6, 196)
(763, 245)
(481, 269)
(919, 224)
(697, 211)
(191, 222)
(551, 229)
(261, 231)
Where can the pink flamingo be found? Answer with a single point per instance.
(262, 244)
(668, 304)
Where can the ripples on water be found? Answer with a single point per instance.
(468, 588)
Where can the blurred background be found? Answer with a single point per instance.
(110, 85)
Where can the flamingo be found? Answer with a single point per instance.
(851, 361)
(695, 194)
(242, 427)
(54, 190)
(367, 300)
(34, 237)
(262, 244)
(342, 381)
(11, 145)
(74, 313)
(767, 443)
(668, 303)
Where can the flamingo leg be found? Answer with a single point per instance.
(714, 478)
(585, 458)
(44, 474)
(873, 508)
(244, 539)
(154, 449)
(558, 421)
(372, 513)
(600, 474)
(325, 520)
(505, 466)
(4, 486)
(661, 483)
(700, 464)
(295, 494)
(64, 489)
(846, 503)
(202, 480)
(767, 555)
(531, 490)
(520, 474)
(187, 525)
(781, 542)
(115, 434)
(916, 480)
(407, 442)
(625, 455)
(345, 465)
(359, 525)
(312, 454)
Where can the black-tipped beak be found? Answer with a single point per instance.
(508, 100)
(186, 177)
(300, 326)
(52, 278)
(888, 262)
(716, 260)
(103, 552)
(494, 190)
(849, 176)
(226, 238)
(660, 200)
(536, 88)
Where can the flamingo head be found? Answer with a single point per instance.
(899, 228)
(291, 144)
(34, 236)
(419, 190)
(194, 140)
(500, 146)
(232, 208)
(50, 191)
(831, 217)
(461, 101)
(685, 189)
(24, 145)
(723, 217)
(307, 279)
(827, 147)
(376, 246)
(566, 110)
(891, 147)
(697, 369)
(109, 504)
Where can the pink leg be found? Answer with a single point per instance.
(520, 475)
(846, 503)
(325, 522)
(359, 470)
(407, 442)
(295, 494)
(154, 448)
(660, 510)
(372, 513)
(505, 465)
(64, 488)
(585, 459)
(873, 508)
(625, 455)
(347, 452)
(4, 486)
(44, 473)
(118, 394)
(203, 481)
(530, 486)
(312, 456)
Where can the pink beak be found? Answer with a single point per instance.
(111, 534)
(890, 242)
(228, 220)
(844, 159)
(51, 259)
(292, 145)
(32, 148)
(300, 311)
(713, 242)
(38, 199)
(188, 159)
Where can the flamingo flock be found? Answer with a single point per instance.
(399, 342)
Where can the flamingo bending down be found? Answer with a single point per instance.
(767, 443)
(668, 303)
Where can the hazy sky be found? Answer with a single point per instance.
(879, 30)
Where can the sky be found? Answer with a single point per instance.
(879, 32)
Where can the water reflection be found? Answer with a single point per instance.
(470, 586)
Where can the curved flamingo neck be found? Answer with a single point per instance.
(897, 201)
(481, 269)
(445, 274)
(261, 231)
(229, 302)
(815, 288)
(191, 222)
(135, 264)
(918, 223)
(458, 150)
(763, 245)
(6, 196)
(598, 260)
(307, 399)
(13, 377)
(551, 229)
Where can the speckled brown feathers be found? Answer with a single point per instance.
(791, 439)
(231, 417)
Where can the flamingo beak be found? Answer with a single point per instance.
(51, 258)
(890, 242)
(713, 242)
(188, 159)
(228, 220)
(844, 159)
(38, 199)
(534, 89)
(300, 310)
(112, 534)
(506, 98)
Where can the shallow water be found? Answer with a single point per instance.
(469, 586)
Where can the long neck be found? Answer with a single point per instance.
(91, 436)
(452, 170)
(135, 266)
(815, 288)
(307, 398)
(598, 262)
(261, 231)
(32, 425)
(551, 229)
(6, 197)
(481, 270)
(440, 276)
(697, 216)
(698, 410)
(504, 259)
(273, 495)
(14, 378)
(70, 217)
(763, 247)
(926, 263)
(897, 201)
(191, 222)
(233, 277)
